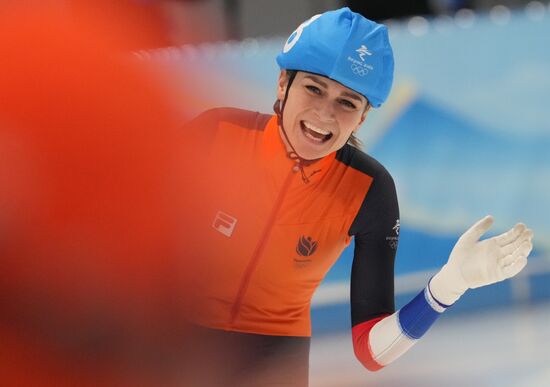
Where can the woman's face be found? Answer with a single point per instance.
(320, 114)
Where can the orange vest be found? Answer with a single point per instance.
(264, 238)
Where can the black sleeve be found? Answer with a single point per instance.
(376, 232)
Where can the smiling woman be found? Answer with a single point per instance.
(266, 235)
(320, 114)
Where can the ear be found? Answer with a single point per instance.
(363, 116)
(281, 85)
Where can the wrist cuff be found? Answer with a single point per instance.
(417, 316)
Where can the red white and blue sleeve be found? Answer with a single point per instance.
(381, 334)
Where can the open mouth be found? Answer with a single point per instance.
(314, 133)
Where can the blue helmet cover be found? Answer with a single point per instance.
(346, 47)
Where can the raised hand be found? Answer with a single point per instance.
(474, 263)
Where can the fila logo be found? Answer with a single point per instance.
(224, 223)
(306, 246)
(363, 50)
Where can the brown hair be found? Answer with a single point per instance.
(354, 141)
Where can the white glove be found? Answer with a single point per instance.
(474, 263)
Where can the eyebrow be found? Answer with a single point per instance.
(325, 85)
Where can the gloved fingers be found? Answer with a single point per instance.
(475, 232)
(509, 248)
(510, 235)
(513, 269)
(521, 252)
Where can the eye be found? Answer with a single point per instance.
(313, 89)
(348, 104)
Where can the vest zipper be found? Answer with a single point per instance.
(260, 246)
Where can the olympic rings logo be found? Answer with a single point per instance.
(359, 69)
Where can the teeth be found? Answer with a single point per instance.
(316, 129)
(310, 136)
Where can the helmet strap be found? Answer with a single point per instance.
(278, 107)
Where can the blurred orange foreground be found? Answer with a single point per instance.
(91, 193)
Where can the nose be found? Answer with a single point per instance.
(325, 110)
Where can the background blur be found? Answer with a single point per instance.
(466, 132)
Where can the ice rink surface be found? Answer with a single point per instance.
(500, 348)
